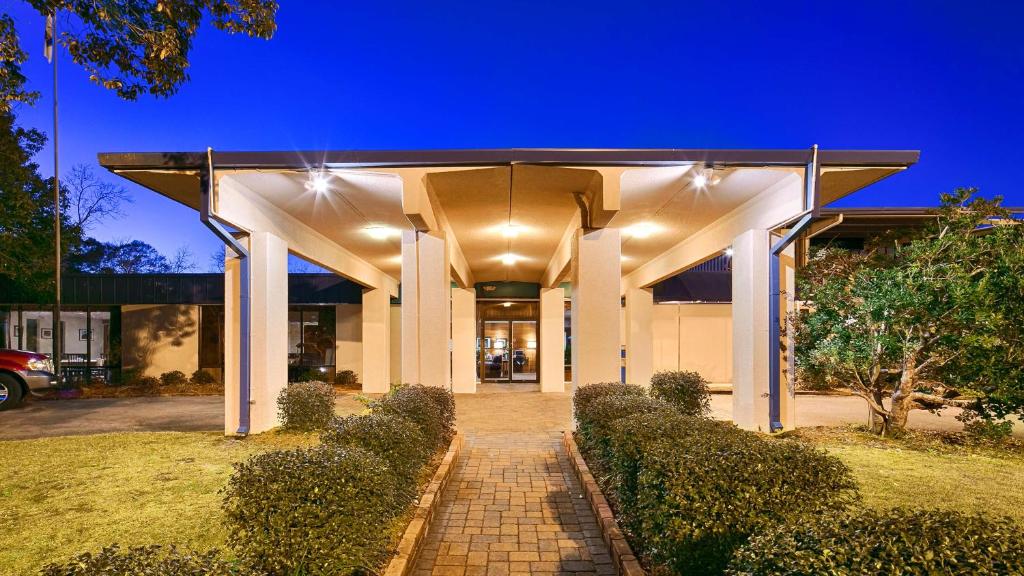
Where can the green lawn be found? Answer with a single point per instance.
(924, 472)
(66, 495)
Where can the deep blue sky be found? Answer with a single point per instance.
(946, 78)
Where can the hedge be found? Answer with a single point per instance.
(694, 490)
(321, 511)
(585, 395)
(306, 406)
(423, 407)
(599, 414)
(148, 560)
(687, 391)
(897, 541)
(396, 440)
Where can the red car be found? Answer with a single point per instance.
(22, 373)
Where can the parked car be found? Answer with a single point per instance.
(23, 373)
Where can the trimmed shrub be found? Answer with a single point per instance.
(687, 391)
(898, 541)
(596, 419)
(584, 395)
(201, 377)
(306, 406)
(417, 405)
(146, 382)
(173, 378)
(699, 495)
(630, 438)
(346, 378)
(396, 440)
(322, 511)
(149, 560)
(445, 402)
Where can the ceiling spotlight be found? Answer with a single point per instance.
(317, 182)
(507, 304)
(728, 252)
(700, 180)
(509, 259)
(510, 230)
(642, 230)
(380, 232)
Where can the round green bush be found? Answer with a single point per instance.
(698, 497)
(306, 406)
(173, 378)
(417, 405)
(396, 440)
(897, 541)
(595, 420)
(687, 391)
(149, 560)
(146, 382)
(584, 395)
(321, 511)
(202, 377)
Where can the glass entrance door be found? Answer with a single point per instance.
(507, 343)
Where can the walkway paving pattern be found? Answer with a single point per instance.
(514, 507)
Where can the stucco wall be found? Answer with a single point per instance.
(396, 344)
(349, 338)
(694, 337)
(160, 338)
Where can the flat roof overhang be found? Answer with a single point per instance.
(299, 160)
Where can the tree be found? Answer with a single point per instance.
(922, 320)
(92, 200)
(182, 261)
(133, 47)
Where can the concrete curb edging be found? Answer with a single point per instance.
(412, 539)
(622, 555)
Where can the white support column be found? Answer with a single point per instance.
(269, 329)
(376, 341)
(552, 339)
(596, 278)
(464, 358)
(750, 293)
(348, 339)
(232, 335)
(639, 336)
(426, 309)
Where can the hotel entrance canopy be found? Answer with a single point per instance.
(612, 223)
(648, 194)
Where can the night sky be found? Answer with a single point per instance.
(945, 78)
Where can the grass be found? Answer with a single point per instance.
(66, 495)
(929, 470)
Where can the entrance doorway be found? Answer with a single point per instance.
(507, 341)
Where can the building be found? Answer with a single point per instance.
(450, 225)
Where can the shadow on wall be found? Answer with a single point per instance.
(161, 338)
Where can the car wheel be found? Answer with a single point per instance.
(10, 392)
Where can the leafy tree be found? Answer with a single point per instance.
(133, 47)
(127, 257)
(922, 320)
(26, 217)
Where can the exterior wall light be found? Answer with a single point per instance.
(531, 344)
(728, 252)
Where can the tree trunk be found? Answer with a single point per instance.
(896, 424)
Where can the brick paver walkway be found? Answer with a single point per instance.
(514, 507)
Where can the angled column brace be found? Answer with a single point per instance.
(812, 172)
(206, 189)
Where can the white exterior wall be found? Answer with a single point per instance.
(348, 334)
(158, 338)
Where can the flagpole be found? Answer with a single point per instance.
(58, 334)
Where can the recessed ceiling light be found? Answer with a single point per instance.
(700, 180)
(317, 182)
(506, 304)
(510, 230)
(728, 252)
(510, 259)
(378, 232)
(642, 229)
